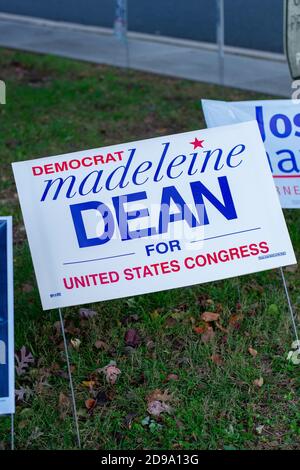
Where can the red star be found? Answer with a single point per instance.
(197, 143)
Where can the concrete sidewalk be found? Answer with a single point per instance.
(165, 58)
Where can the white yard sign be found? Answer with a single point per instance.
(152, 215)
(279, 125)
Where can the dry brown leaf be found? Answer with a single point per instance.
(208, 335)
(210, 316)
(171, 322)
(64, 405)
(252, 351)
(155, 408)
(99, 344)
(172, 377)
(111, 372)
(235, 319)
(158, 395)
(27, 287)
(216, 358)
(258, 382)
(90, 403)
(87, 313)
(200, 329)
(132, 338)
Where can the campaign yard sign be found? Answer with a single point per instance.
(7, 391)
(151, 215)
(279, 125)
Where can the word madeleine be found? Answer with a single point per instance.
(151, 215)
(97, 181)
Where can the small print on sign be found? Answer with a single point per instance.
(279, 125)
(7, 389)
(152, 215)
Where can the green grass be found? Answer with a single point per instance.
(56, 106)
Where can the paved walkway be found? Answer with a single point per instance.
(177, 60)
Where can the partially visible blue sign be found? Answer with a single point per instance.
(7, 402)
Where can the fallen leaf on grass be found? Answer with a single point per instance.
(27, 288)
(150, 345)
(157, 394)
(90, 403)
(23, 359)
(88, 383)
(172, 377)
(171, 322)
(210, 316)
(234, 319)
(23, 393)
(253, 352)
(259, 429)
(208, 335)
(132, 338)
(102, 398)
(87, 313)
(157, 407)
(157, 402)
(216, 359)
(76, 343)
(99, 344)
(36, 434)
(296, 344)
(200, 329)
(64, 405)
(294, 357)
(42, 382)
(111, 372)
(258, 382)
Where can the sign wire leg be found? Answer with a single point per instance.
(70, 379)
(12, 432)
(126, 38)
(221, 40)
(290, 307)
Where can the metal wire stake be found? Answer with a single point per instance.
(290, 307)
(70, 379)
(221, 40)
(12, 432)
(126, 38)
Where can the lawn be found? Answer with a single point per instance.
(211, 383)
